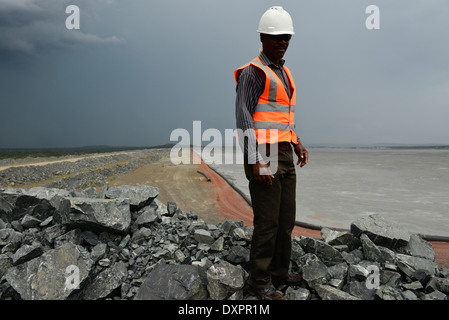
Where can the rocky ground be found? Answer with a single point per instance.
(85, 172)
(123, 243)
(66, 232)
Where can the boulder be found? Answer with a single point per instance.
(327, 254)
(224, 279)
(27, 252)
(106, 282)
(327, 292)
(203, 236)
(111, 215)
(173, 282)
(139, 196)
(54, 275)
(381, 231)
(313, 269)
(409, 264)
(370, 250)
(419, 247)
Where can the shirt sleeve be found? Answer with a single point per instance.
(249, 88)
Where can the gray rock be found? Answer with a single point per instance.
(139, 196)
(90, 237)
(14, 204)
(415, 285)
(29, 221)
(98, 214)
(419, 247)
(336, 237)
(147, 216)
(390, 278)
(106, 282)
(357, 272)
(229, 225)
(11, 237)
(72, 236)
(422, 276)
(360, 290)
(172, 208)
(327, 292)
(98, 252)
(39, 192)
(5, 264)
(386, 292)
(173, 282)
(409, 264)
(224, 279)
(313, 269)
(203, 236)
(103, 190)
(27, 252)
(443, 285)
(218, 245)
(370, 250)
(438, 284)
(53, 232)
(297, 250)
(338, 271)
(242, 233)
(409, 295)
(169, 252)
(238, 255)
(89, 192)
(7, 205)
(297, 294)
(381, 231)
(327, 254)
(388, 255)
(48, 276)
(436, 295)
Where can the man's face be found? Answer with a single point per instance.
(275, 46)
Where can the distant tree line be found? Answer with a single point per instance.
(20, 153)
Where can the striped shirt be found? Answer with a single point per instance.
(250, 87)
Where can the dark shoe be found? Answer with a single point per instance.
(289, 280)
(265, 294)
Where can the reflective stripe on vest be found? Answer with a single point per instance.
(275, 110)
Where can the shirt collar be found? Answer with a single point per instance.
(268, 62)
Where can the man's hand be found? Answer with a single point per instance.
(301, 152)
(262, 173)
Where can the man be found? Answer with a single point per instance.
(265, 113)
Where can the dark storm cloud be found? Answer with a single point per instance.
(29, 26)
(138, 69)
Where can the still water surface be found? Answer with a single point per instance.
(408, 186)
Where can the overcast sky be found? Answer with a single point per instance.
(138, 69)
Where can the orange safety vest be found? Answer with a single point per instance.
(274, 110)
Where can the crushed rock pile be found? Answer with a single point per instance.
(123, 243)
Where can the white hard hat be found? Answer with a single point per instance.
(276, 21)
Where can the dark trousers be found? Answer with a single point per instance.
(274, 208)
